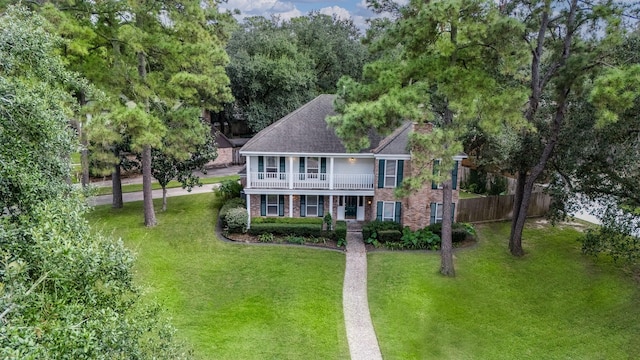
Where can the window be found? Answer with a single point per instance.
(272, 205)
(437, 212)
(312, 205)
(437, 215)
(390, 173)
(313, 167)
(388, 212)
(271, 167)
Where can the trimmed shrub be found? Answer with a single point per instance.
(459, 231)
(278, 229)
(371, 229)
(230, 204)
(340, 233)
(389, 236)
(228, 189)
(236, 219)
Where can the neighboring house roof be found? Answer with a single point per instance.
(222, 141)
(303, 131)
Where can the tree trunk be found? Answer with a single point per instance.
(149, 213)
(517, 202)
(164, 198)
(116, 187)
(84, 161)
(446, 251)
(517, 225)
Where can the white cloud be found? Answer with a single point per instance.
(260, 7)
(340, 13)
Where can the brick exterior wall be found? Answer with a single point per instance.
(255, 205)
(416, 209)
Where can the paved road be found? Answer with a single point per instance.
(137, 196)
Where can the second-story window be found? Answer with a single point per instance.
(272, 164)
(313, 167)
(390, 172)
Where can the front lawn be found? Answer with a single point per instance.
(232, 301)
(554, 303)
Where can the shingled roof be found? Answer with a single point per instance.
(303, 131)
(396, 143)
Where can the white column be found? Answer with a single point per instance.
(248, 175)
(248, 209)
(290, 172)
(331, 173)
(290, 205)
(331, 206)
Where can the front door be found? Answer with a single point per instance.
(351, 207)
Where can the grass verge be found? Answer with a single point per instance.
(554, 303)
(231, 301)
(106, 190)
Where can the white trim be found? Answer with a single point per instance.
(391, 157)
(248, 211)
(254, 191)
(337, 155)
(248, 168)
(290, 206)
(393, 213)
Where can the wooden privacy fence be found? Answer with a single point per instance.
(500, 207)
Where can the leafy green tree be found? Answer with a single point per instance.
(568, 41)
(161, 54)
(65, 291)
(276, 66)
(598, 145)
(441, 61)
(189, 147)
(270, 75)
(333, 45)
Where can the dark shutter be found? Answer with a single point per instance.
(436, 163)
(281, 205)
(260, 167)
(321, 206)
(454, 176)
(301, 168)
(432, 215)
(263, 205)
(282, 166)
(379, 210)
(399, 173)
(398, 214)
(323, 165)
(303, 205)
(380, 173)
(453, 212)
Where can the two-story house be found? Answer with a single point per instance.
(298, 167)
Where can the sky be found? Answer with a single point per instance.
(287, 9)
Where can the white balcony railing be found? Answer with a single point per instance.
(267, 180)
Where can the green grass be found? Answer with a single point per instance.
(468, 195)
(554, 303)
(233, 301)
(106, 190)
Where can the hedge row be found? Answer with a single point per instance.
(287, 220)
(296, 229)
(459, 232)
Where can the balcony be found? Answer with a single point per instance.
(275, 180)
